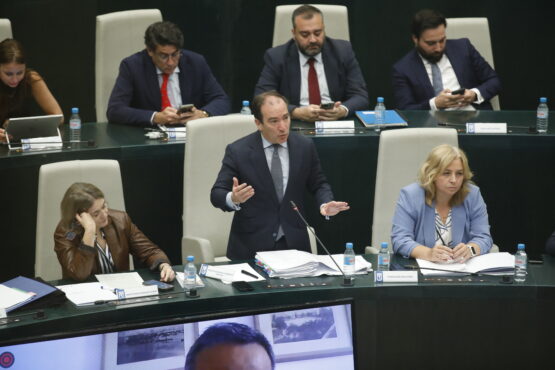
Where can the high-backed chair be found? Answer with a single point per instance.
(206, 228)
(477, 31)
(400, 154)
(118, 35)
(336, 20)
(5, 29)
(54, 179)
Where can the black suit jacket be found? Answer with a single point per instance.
(255, 226)
(282, 72)
(136, 93)
(412, 87)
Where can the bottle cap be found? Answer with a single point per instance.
(349, 245)
(520, 246)
(246, 103)
(74, 110)
(190, 258)
(380, 99)
(384, 244)
(543, 100)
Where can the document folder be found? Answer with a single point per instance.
(392, 119)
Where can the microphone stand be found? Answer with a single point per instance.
(347, 280)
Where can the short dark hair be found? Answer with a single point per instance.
(223, 333)
(163, 33)
(306, 11)
(259, 100)
(426, 19)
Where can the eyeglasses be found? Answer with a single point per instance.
(165, 57)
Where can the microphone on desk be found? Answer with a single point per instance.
(347, 281)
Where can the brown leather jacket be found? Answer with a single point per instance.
(80, 261)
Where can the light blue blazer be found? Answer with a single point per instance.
(414, 221)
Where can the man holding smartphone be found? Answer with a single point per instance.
(440, 73)
(165, 84)
(320, 76)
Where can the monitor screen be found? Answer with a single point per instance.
(317, 336)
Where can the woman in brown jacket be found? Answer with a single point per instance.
(92, 239)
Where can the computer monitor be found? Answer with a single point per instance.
(311, 336)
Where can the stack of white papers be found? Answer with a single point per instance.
(10, 297)
(83, 294)
(294, 263)
(501, 263)
(230, 273)
(174, 132)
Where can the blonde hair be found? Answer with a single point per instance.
(79, 197)
(438, 160)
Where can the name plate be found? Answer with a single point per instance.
(334, 124)
(396, 276)
(486, 128)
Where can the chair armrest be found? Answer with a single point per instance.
(199, 247)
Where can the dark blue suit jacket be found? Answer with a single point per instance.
(254, 226)
(282, 72)
(412, 87)
(136, 93)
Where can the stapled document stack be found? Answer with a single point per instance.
(294, 263)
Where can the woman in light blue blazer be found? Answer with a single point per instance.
(443, 217)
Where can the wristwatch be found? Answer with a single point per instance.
(472, 250)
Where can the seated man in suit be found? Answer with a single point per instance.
(153, 83)
(312, 69)
(426, 76)
(261, 174)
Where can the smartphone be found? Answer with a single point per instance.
(458, 92)
(163, 287)
(185, 108)
(242, 286)
(327, 105)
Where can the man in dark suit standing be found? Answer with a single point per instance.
(261, 174)
(426, 76)
(312, 69)
(152, 84)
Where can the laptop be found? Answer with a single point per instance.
(33, 127)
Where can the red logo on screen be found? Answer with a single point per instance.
(7, 359)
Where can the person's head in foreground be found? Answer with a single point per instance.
(230, 346)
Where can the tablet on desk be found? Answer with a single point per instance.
(30, 128)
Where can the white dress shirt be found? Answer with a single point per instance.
(174, 91)
(450, 81)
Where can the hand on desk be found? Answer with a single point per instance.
(334, 114)
(166, 272)
(332, 208)
(240, 193)
(446, 100)
(308, 113)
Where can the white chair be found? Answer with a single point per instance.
(400, 154)
(5, 29)
(206, 228)
(336, 21)
(118, 35)
(54, 179)
(477, 31)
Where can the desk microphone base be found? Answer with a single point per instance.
(348, 281)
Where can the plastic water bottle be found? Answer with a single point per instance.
(379, 113)
(246, 107)
(349, 260)
(542, 116)
(383, 258)
(75, 126)
(520, 264)
(190, 273)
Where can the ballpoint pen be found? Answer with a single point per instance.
(249, 274)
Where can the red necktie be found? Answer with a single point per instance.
(164, 91)
(313, 87)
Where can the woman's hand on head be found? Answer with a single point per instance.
(86, 220)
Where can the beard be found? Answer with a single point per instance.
(430, 57)
(312, 49)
